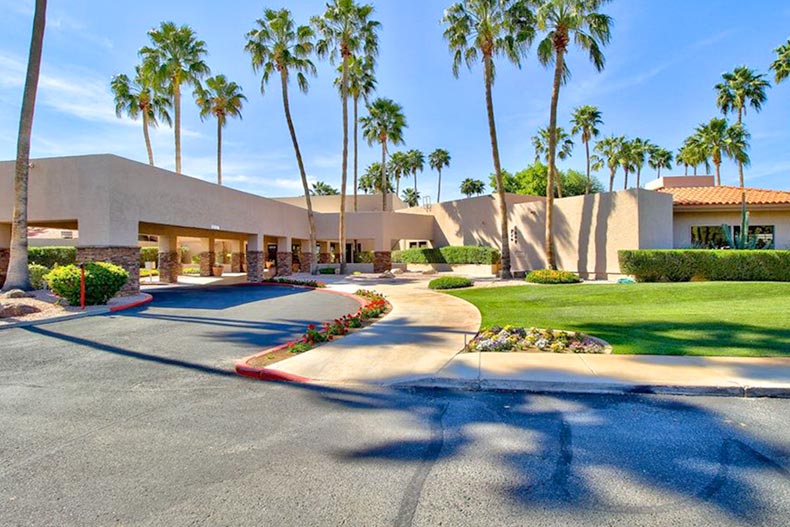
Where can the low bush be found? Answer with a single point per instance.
(190, 269)
(453, 255)
(148, 254)
(684, 265)
(363, 257)
(37, 273)
(327, 270)
(145, 273)
(102, 282)
(289, 281)
(52, 256)
(550, 276)
(450, 282)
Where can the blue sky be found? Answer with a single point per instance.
(663, 61)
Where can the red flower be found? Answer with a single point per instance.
(311, 327)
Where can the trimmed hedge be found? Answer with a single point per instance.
(550, 276)
(52, 256)
(148, 254)
(450, 282)
(684, 265)
(37, 273)
(102, 282)
(453, 255)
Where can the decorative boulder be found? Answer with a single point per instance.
(15, 293)
(16, 310)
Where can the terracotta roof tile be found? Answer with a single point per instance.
(697, 196)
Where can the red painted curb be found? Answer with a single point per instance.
(139, 303)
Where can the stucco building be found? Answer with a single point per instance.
(113, 205)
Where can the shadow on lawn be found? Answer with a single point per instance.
(693, 338)
(607, 455)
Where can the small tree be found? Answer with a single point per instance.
(439, 159)
(472, 187)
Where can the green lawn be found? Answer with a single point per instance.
(702, 318)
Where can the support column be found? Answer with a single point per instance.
(207, 256)
(284, 256)
(126, 257)
(382, 256)
(236, 256)
(306, 258)
(169, 263)
(5, 250)
(324, 256)
(256, 259)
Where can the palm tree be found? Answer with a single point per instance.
(721, 140)
(627, 158)
(659, 158)
(221, 99)
(323, 189)
(416, 163)
(609, 148)
(175, 58)
(483, 29)
(361, 83)
(277, 45)
(141, 97)
(540, 143)
(640, 148)
(470, 187)
(685, 156)
(565, 21)
(695, 153)
(586, 120)
(384, 124)
(370, 181)
(17, 276)
(439, 159)
(346, 32)
(781, 65)
(741, 88)
(400, 165)
(411, 197)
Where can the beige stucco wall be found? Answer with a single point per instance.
(685, 219)
(365, 202)
(385, 229)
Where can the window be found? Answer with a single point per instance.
(763, 233)
(712, 237)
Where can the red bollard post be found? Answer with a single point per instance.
(82, 286)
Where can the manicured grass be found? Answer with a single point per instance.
(749, 319)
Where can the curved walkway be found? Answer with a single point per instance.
(421, 335)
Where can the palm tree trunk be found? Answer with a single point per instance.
(740, 163)
(439, 190)
(356, 148)
(587, 149)
(18, 276)
(695, 170)
(384, 182)
(503, 227)
(147, 137)
(555, 95)
(718, 174)
(177, 105)
(638, 177)
(415, 180)
(397, 186)
(302, 172)
(219, 151)
(612, 174)
(625, 179)
(687, 170)
(344, 173)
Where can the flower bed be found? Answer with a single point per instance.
(514, 339)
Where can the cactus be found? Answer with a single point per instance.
(743, 240)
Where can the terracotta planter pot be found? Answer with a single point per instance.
(216, 270)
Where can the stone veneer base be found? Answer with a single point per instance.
(382, 261)
(126, 257)
(169, 267)
(284, 263)
(256, 266)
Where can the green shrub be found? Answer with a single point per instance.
(148, 254)
(327, 270)
(190, 269)
(102, 281)
(450, 282)
(683, 265)
(37, 273)
(363, 257)
(458, 255)
(145, 273)
(550, 276)
(52, 256)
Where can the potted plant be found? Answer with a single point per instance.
(217, 268)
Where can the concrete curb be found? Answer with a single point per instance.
(547, 387)
(71, 316)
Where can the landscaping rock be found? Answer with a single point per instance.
(387, 274)
(397, 271)
(17, 310)
(429, 271)
(16, 293)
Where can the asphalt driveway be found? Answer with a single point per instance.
(137, 419)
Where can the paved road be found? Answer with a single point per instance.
(136, 420)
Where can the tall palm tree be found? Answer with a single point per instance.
(176, 57)
(586, 120)
(781, 65)
(696, 153)
(540, 142)
(141, 97)
(17, 276)
(278, 46)
(719, 140)
(370, 181)
(685, 157)
(416, 163)
(470, 187)
(609, 148)
(400, 165)
(411, 197)
(627, 158)
(439, 159)
(482, 30)
(346, 31)
(222, 99)
(741, 88)
(361, 84)
(565, 21)
(384, 124)
(659, 158)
